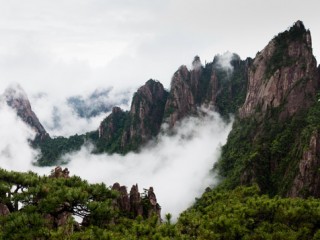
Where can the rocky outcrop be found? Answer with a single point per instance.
(123, 201)
(59, 173)
(307, 181)
(137, 204)
(146, 113)
(284, 74)
(153, 206)
(18, 100)
(181, 100)
(220, 85)
(124, 131)
(136, 207)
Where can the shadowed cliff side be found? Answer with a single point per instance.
(125, 131)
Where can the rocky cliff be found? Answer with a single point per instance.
(18, 100)
(214, 85)
(274, 140)
(136, 204)
(284, 74)
(146, 113)
(220, 85)
(124, 131)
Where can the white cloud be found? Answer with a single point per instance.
(178, 167)
(66, 46)
(15, 152)
(60, 119)
(63, 48)
(224, 61)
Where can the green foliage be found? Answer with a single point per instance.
(118, 126)
(267, 151)
(113, 126)
(244, 213)
(43, 208)
(53, 148)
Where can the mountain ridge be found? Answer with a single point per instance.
(268, 165)
(273, 92)
(275, 133)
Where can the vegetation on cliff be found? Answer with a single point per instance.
(273, 149)
(122, 131)
(270, 143)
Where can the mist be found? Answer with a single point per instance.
(15, 151)
(224, 61)
(177, 166)
(61, 117)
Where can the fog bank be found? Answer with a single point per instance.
(177, 166)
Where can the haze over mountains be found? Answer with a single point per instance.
(169, 136)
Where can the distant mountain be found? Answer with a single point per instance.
(16, 98)
(96, 103)
(273, 149)
(276, 134)
(214, 85)
(125, 131)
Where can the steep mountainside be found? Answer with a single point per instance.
(125, 131)
(212, 85)
(18, 100)
(283, 73)
(274, 142)
(274, 147)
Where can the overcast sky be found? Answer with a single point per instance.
(61, 48)
(73, 46)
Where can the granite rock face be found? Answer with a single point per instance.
(129, 130)
(284, 74)
(219, 85)
(146, 113)
(136, 204)
(283, 82)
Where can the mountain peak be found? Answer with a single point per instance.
(299, 24)
(15, 91)
(284, 73)
(196, 63)
(17, 99)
